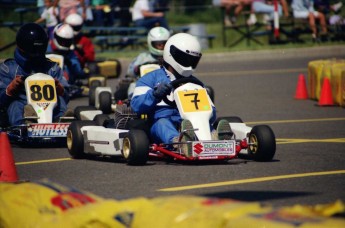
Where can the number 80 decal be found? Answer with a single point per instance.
(42, 91)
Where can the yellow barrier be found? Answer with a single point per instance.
(47, 204)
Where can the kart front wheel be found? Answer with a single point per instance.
(135, 147)
(75, 139)
(262, 143)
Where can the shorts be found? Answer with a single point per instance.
(303, 14)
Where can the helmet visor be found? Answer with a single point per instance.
(64, 42)
(76, 28)
(183, 58)
(158, 44)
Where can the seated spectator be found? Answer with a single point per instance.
(304, 9)
(67, 7)
(49, 16)
(122, 12)
(83, 46)
(331, 11)
(102, 13)
(267, 8)
(228, 5)
(143, 15)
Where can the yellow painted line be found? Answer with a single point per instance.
(251, 180)
(253, 72)
(296, 121)
(43, 161)
(286, 141)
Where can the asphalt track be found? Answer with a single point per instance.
(259, 87)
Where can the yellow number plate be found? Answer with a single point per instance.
(42, 91)
(194, 100)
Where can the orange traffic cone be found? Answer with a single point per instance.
(301, 90)
(8, 172)
(326, 98)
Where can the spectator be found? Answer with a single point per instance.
(142, 15)
(40, 6)
(102, 13)
(228, 5)
(267, 8)
(67, 7)
(304, 9)
(156, 39)
(181, 56)
(49, 16)
(29, 57)
(122, 12)
(84, 48)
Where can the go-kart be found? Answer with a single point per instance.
(128, 135)
(85, 86)
(40, 128)
(101, 97)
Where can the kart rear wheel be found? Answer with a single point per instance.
(135, 147)
(101, 119)
(105, 102)
(80, 109)
(262, 143)
(92, 95)
(75, 139)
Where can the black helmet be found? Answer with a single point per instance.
(32, 40)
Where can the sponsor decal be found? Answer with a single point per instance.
(213, 148)
(48, 130)
(68, 200)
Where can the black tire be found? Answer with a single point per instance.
(101, 119)
(92, 95)
(80, 109)
(262, 143)
(75, 139)
(231, 119)
(210, 92)
(135, 147)
(105, 102)
(95, 83)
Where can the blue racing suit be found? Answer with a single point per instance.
(23, 67)
(165, 119)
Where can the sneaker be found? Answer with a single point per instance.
(227, 21)
(266, 19)
(188, 134)
(224, 130)
(252, 19)
(30, 114)
(336, 7)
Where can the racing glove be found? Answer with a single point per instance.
(162, 90)
(14, 87)
(59, 88)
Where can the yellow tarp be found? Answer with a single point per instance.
(47, 204)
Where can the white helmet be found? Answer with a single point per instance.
(157, 35)
(63, 37)
(75, 21)
(182, 52)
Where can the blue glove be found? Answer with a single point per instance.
(162, 90)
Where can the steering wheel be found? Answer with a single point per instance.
(179, 82)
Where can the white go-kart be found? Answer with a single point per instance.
(39, 128)
(127, 135)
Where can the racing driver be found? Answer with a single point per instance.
(29, 58)
(181, 56)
